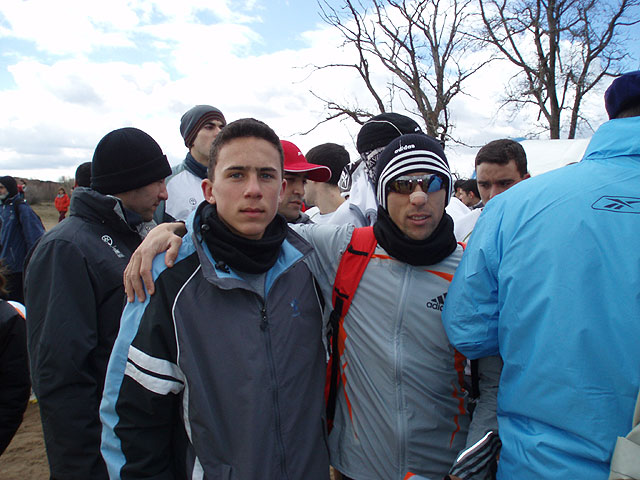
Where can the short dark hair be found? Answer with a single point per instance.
(502, 152)
(458, 184)
(243, 128)
(470, 185)
(330, 155)
(83, 174)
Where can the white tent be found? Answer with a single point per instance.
(545, 155)
(542, 155)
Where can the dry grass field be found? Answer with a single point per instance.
(47, 213)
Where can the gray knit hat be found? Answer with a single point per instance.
(126, 159)
(193, 120)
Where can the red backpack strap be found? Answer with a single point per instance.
(352, 265)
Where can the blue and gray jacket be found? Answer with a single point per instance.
(212, 377)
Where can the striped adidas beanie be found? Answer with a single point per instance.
(408, 154)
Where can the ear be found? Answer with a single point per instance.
(207, 190)
(282, 189)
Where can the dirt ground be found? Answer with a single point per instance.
(25, 458)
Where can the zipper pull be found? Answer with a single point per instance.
(264, 324)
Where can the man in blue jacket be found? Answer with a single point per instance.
(220, 374)
(20, 230)
(554, 291)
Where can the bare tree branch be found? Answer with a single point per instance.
(422, 44)
(575, 44)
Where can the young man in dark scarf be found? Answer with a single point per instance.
(220, 374)
(401, 406)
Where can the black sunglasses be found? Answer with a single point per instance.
(429, 183)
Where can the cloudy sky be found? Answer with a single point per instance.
(73, 70)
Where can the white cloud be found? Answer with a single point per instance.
(144, 63)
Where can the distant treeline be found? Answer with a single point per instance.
(39, 191)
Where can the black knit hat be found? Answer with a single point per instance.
(330, 155)
(126, 159)
(10, 184)
(411, 154)
(383, 128)
(623, 93)
(193, 120)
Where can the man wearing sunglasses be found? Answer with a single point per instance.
(358, 178)
(400, 406)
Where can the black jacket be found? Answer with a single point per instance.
(14, 372)
(74, 296)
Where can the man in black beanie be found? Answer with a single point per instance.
(20, 229)
(74, 293)
(199, 126)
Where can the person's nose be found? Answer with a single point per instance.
(252, 186)
(297, 187)
(163, 195)
(418, 197)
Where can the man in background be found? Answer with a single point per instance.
(467, 192)
(296, 172)
(83, 175)
(500, 165)
(20, 231)
(325, 196)
(74, 295)
(199, 126)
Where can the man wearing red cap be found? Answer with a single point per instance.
(296, 172)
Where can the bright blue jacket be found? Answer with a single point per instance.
(551, 281)
(17, 235)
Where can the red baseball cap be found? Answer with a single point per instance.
(295, 162)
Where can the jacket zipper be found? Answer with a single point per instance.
(264, 326)
(399, 365)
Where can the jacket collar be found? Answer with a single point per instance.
(294, 249)
(96, 207)
(615, 138)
